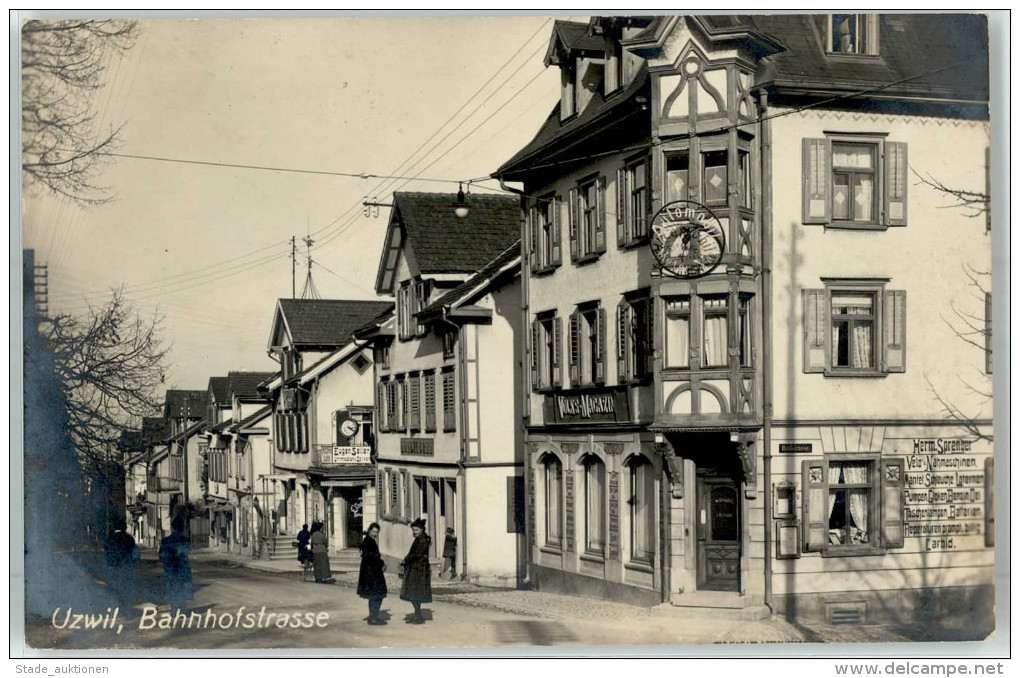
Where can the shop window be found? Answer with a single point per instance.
(430, 401)
(588, 346)
(855, 329)
(588, 219)
(634, 339)
(546, 343)
(677, 177)
(552, 485)
(678, 331)
(449, 402)
(853, 505)
(855, 182)
(853, 34)
(544, 218)
(594, 505)
(633, 202)
(641, 509)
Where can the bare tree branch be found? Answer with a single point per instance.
(973, 203)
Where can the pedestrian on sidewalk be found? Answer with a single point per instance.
(450, 553)
(320, 553)
(122, 555)
(173, 553)
(417, 586)
(371, 580)
(302, 544)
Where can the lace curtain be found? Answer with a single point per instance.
(715, 340)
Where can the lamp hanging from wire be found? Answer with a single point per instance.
(461, 207)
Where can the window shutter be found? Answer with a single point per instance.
(815, 334)
(640, 226)
(536, 343)
(622, 330)
(895, 320)
(449, 415)
(815, 505)
(556, 257)
(340, 417)
(278, 431)
(600, 225)
(430, 402)
(557, 371)
(601, 356)
(622, 222)
(649, 329)
(575, 349)
(414, 403)
(536, 250)
(817, 206)
(405, 482)
(380, 406)
(405, 402)
(893, 471)
(895, 183)
(572, 219)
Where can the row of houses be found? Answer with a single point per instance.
(673, 367)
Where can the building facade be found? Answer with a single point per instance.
(719, 407)
(450, 445)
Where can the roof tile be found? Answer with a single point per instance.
(327, 322)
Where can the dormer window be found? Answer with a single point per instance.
(614, 66)
(853, 34)
(568, 91)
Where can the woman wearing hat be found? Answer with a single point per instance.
(417, 587)
(371, 580)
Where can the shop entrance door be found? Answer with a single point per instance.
(718, 533)
(353, 522)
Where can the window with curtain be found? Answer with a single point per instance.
(744, 318)
(850, 498)
(677, 169)
(641, 510)
(853, 330)
(854, 174)
(716, 332)
(678, 331)
(594, 506)
(552, 476)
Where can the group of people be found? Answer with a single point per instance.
(123, 554)
(313, 546)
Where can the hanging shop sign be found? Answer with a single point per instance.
(602, 405)
(687, 239)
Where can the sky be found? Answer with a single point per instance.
(208, 247)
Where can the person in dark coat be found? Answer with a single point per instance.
(320, 553)
(450, 552)
(371, 580)
(173, 553)
(417, 586)
(122, 555)
(303, 536)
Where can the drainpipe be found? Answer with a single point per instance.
(766, 305)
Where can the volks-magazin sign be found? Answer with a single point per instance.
(588, 406)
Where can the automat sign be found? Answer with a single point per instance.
(687, 239)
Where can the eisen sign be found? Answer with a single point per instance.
(687, 239)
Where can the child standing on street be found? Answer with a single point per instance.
(450, 551)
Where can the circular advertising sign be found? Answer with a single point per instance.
(687, 239)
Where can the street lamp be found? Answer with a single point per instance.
(461, 208)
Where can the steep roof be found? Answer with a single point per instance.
(245, 384)
(154, 429)
(443, 243)
(479, 282)
(258, 415)
(327, 322)
(571, 37)
(179, 402)
(130, 440)
(218, 387)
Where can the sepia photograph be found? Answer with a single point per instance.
(512, 332)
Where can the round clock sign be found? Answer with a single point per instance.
(687, 239)
(348, 427)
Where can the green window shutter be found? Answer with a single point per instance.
(536, 343)
(893, 472)
(896, 183)
(816, 323)
(601, 354)
(600, 224)
(622, 332)
(895, 321)
(815, 504)
(557, 371)
(575, 349)
(557, 256)
(572, 219)
(622, 222)
(817, 180)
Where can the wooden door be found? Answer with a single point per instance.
(718, 533)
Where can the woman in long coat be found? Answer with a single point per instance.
(320, 553)
(173, 553)
(371, 580)
(417, 587)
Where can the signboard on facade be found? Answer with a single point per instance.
(602, 405)
(687, 239)
(346, 454)
(795, 448)
(421, 446)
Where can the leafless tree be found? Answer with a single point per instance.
(62, 64)
(110, 364)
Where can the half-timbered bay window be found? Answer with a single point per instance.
(854, 328)
(588, 346)
(641, 509)
(633, 202)
(552, 487)
(588, 219)
(546, 352)
(634, 339)
(715, 331)
(544, 218)
(594, 505)
(678, 331)
(855, 181)
(853, 504)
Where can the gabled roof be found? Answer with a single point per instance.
(245, 384)
(324, 323)
(218, 388)
(179, 402)
(318, 368)
(154, 430)
(222, 426)
(130, 440)
(253, 418)
(572, 38)
(372, 328)
(505, 266)
(443, 243)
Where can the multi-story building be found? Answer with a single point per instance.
(725, 219)
(185, 412)
(322, 409)
(247, 480)
(450, 445)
